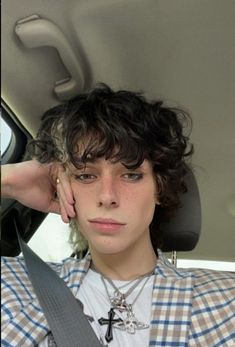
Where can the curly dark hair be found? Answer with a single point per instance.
(121, 126)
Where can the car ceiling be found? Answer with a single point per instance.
(180, 51)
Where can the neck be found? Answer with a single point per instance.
(126, 265)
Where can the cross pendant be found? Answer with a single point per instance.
(109, 321)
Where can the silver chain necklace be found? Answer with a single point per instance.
(118, 302)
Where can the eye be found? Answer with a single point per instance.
(85, 178)
(132, 176)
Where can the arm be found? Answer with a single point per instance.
(34, 185)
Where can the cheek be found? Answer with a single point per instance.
(82, 202)
(141, 203)
(80, 194)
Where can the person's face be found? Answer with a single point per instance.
(114, 205)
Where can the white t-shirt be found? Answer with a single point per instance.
(96, 305)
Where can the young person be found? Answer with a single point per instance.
(113, 165)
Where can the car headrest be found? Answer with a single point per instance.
(183, 231)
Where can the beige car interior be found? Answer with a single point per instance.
(181, 51)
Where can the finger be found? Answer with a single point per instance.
(58, 175)
(63, 212)
(61, 193)
(65, 182)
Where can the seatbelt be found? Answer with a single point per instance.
(68, 324)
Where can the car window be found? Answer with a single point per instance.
(6, 135)
(50, 241)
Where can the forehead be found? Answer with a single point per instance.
(93, 147)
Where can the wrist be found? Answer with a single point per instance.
(7, 180)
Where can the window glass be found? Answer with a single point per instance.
(206, 264)
(50, 241)
(6, 134)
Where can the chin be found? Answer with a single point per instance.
(108, 248)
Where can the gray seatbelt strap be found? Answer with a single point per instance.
(68, 324)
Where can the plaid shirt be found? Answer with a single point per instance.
(189, 308)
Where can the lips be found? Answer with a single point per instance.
(105, 221)
(106, 224)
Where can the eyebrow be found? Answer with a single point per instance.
(84, 163)
(97, 161)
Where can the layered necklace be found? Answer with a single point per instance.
(118, 302)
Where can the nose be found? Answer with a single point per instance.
(108, 193)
